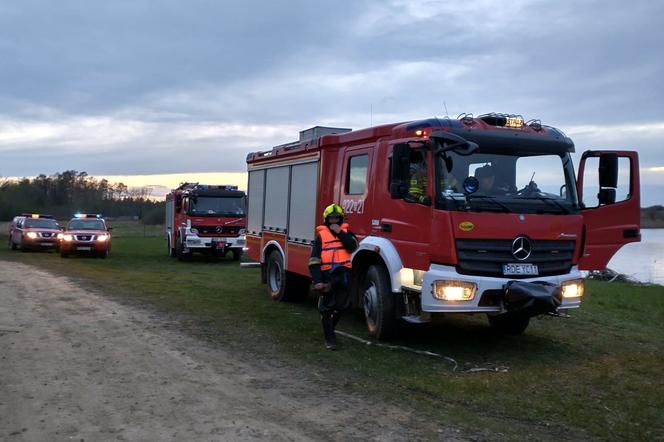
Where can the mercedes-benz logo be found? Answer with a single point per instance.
(219, 229)
(521, 248)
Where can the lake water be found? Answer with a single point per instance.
(643, 260)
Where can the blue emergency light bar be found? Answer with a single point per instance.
(36, 215)
(87, 215)
(208, 187)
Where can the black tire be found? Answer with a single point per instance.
(171, 250)
(13, 244)
(179, 250)
(508, 323)
(237, 254)
(379, 303)
(284, 286)
(104, 254)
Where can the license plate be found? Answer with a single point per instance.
(46, 244)
(83, 248)
(520, 269)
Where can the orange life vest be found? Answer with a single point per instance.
(333, 254)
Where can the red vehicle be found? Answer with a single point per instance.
(206, 219)
(33, 231)
(86, 234)
(511, 250)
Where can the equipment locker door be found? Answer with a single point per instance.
(611, 218)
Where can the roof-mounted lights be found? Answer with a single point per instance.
(36, 215)
(466, 118)
(87, 215)
(534, 124)
(503, 120)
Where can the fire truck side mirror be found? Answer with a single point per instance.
(608, 170)
(400, 168)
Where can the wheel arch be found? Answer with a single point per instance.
(375, 250)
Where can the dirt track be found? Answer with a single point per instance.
(75, 365)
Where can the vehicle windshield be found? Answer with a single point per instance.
(506, 182)
(218, 206)
(86, 224)
(41, 223)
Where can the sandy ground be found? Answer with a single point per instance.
(75, 365)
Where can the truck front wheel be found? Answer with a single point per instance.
(379, 303)
(179, 250)
(281, 284)
(509, 324)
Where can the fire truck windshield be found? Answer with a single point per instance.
(43, 223)
(217, 206)
(506, 182)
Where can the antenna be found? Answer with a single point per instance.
(447, 114)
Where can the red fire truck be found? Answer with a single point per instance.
(502, 227)
(206, 219)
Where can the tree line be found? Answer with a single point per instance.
(69, 192)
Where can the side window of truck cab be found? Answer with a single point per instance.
(356, 179)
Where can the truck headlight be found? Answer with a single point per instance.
(451, 290)
(31, 235)
(573, 288)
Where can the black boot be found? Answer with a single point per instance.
(328, 332)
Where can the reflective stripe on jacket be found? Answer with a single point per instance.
(333, 254)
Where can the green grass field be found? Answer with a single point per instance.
(596, 375)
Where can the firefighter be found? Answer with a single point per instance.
(417, 190)
(330, 266)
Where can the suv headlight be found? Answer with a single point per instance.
(31, 235)
(452, 290)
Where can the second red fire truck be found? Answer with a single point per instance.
(454, 216)
(206, 219)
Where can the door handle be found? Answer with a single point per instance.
(385, 227)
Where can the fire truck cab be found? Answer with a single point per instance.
(33, 231)
(206, 219)
(468, 215)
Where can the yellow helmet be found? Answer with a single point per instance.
(333, 209)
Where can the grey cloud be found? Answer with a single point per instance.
(292, 65)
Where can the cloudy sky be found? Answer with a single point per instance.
(163, 87)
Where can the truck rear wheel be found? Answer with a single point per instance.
(171, 250)
(508, 323)
(281, 284)
(237, 254)
(379, 303)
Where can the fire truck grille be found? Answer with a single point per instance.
(217, 230)
(487, 256)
